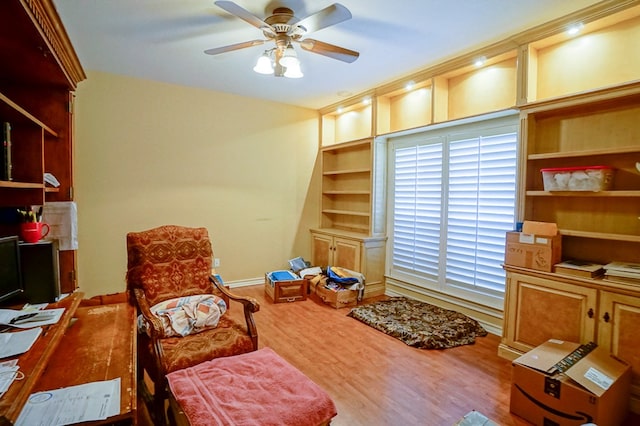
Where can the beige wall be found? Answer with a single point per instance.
(149, 154)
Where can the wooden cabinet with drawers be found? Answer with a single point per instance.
(541, 305)
(352, 251)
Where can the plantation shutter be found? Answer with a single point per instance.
(452, 199)
(481, 204)
(417, 208)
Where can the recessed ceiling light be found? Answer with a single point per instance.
(480, 61)
(366, 100)
(339, 110)
(575, 28)
(409, 85)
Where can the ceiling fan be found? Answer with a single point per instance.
(284, 28)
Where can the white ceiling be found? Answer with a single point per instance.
(164, 40)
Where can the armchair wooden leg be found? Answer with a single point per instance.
(159, 400)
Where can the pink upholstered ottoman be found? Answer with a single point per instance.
(256, 388)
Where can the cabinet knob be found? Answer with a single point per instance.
(606, 317)
(590, 313)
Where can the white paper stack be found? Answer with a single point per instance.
(626, 272)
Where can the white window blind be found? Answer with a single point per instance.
(453, 197)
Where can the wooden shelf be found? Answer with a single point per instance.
(13, 111)
(346, 171)
(585, 153)
(20, 185)
(346, 212)
(600, 235)
(346, 192)
(583, 194)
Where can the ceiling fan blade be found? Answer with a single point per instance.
(326, 49)
(328, 16)
(245, 15)
(232, 47)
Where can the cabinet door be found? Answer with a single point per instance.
(542, 309)
(619, 316)
(321, 249)
(346, 253)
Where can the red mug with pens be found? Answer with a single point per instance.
(32, 232)
(32, 229)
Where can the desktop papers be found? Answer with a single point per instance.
(35, 319)
(8, 373)
(74, 404)
(19, 342)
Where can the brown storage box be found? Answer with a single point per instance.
(593, 389)
(290, 290)
(533, 251)
(337, 299)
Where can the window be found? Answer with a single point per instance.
(452, 198)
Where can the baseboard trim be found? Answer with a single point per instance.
(245, 283)
(489, 318)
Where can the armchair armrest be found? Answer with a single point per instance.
(249, 302)
(155, 328)
(155, 325)
(250, 306)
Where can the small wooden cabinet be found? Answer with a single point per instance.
(538, 309)
(352, 251)
(541, 305)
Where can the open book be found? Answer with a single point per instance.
(579, 268)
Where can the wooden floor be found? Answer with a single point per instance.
(375, 379)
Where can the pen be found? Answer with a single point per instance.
(39, 318)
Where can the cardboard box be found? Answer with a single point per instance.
(285, 286)
(547, 229)
(337, 296)
(553, 385)
(342, 298)
(533, 251)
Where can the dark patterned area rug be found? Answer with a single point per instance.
(419, 324)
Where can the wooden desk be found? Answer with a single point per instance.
(99, 344)
(33, 362)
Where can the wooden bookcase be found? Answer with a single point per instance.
(595, 128)
(39, 73)
(346, 186)
(351, 228)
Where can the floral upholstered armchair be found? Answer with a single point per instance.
(182, 319)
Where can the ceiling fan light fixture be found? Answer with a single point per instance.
(289, 58)
(264, 64)
(293, 71)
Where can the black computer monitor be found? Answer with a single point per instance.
(10, 274)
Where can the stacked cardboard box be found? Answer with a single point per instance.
(538, 246)
(568, 384)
